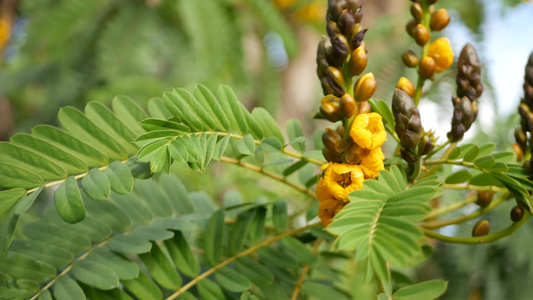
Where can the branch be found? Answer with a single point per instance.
(491, 206)
(233, 258)
(305, 269)
(479, 239)
(272, 175)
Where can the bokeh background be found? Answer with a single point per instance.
(68, 52)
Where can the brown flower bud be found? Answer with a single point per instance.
(407, 86)
(335, 8)
(336, 81)
(410, 59)
(347, 106)
(408, 155)
(517, 213)
(421, 34)
(332, 29)
(331, 155)
(416, 11)
(410, 27)
(340, 130)
(365, 87)
(425, 145)
(330, 108)
(342, 145)
(363, 107)
(484, 198)
(481, 228)
(358, 61)
(346, 22)
(330, 138)
(521, 139)
(427, 67)
(439, 20)
(340, 47)
(357, 39)
(326, 88)
(351, 155)
(518, 151)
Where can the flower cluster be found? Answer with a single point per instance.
(338, 180)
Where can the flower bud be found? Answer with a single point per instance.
(332, 29)
(518, 151)
(340, 47)
(481, 228)
(330, 108)
(439, 20)
(407, 86)
(365, 87)
(331, 155)
(408, 156)
(347, 106)
(340, 130)
(517, 213)
(410, 59)
(336, 80)
(363, 107)
(425, 145)
(358, 61)
(326, 88)
(410, 27)
(342, 145)
(335, 8)
(330, 138)
(484, 198)
(427, 67)
(346, 22)
(416, 11)
(421, 34)
(441, 52)
(357, 39)
(351, 155)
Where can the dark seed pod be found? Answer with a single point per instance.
(410, 59)
(421, 35)
(481, 228)
(517, 213)
(416, 11)
(348, 106)
(484, 198)
(439, 20)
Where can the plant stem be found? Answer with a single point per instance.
(269, 174)
(472, 187)
(479, 239)
(233, 258)
(305, 269)
(67, 269)
(451, 207)
(439, 224)
(423, 53)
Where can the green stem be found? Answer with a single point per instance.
(491, 206)
(470, 187)
(423, 53)
(272, 175)
(451, 207)
(479, 239)
(435, 151)
(233, 258)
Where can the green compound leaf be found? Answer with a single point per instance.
(231, 280)
(9, 198)
(120, 178)
(182, 256)
(67, 288)
(380, 221)
(68, 201)
(459, 177)
(161, 269)
(426, 290)
(96, 185)
(210, 290)
(254, 271)
(95, 274)
(294, 132)
(143, 287)
(214, 236)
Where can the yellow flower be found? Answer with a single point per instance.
(372, 162)
(441, 52)
(327, 210)
(368, 131)
(340, 180)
